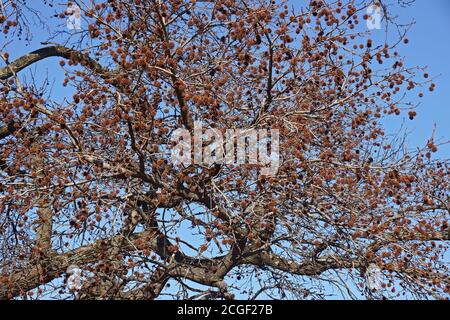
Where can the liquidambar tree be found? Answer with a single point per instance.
(87, 179)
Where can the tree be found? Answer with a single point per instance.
(88, 181)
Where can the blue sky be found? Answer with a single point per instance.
(429, 46)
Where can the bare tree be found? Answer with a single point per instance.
(89, 182)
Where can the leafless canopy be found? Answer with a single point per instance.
(86, 179)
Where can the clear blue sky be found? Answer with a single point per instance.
(429, 46)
